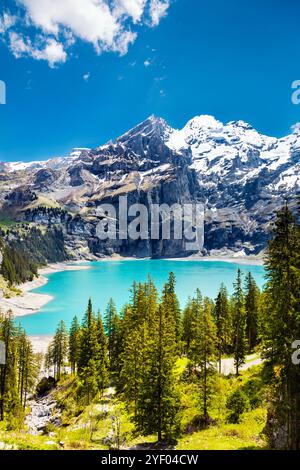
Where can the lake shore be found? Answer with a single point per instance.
(250, 261)
(247, 260)
(31, 302)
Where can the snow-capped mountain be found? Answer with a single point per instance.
(237, 150)
(53, 163)
(242, 176)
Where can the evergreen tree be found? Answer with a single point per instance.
(171, 305)
(223, 323)
(8, 377)
(16, 267)
(239, 324)
(102, 362)
(158, 402)
(28, 366)
(89, 347)
(252, 309)
(112, 325)
(74, 344)
(136, 325)
(132, 365)
(203, 352)
(283, 328)
(89, 377)
(58, 349)
(92, 361)
(187, 325)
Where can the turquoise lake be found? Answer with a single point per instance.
(72, 289)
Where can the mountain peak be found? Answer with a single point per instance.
(156, 120)
(204, 121)
(151, 126)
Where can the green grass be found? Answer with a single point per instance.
(43, 201)
(7, 222)
(21, 440)
(245, 435)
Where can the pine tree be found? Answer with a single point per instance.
(19, 373)
(93, 358)
(283, 328)
(158, 402)
(102, 362)
(118, 348)
(89, 347)
(58, 349)
(89, 378)
(252, 309)
(8, 378)
(132, 366)
(223, 323)
(74, 344)
(148, 359)
(171, 305)
(32, 367)
(112, 325)
(187, 325)
(135, 327)
(22, 354)
(203, 352)
(28, 366)
(239, 324)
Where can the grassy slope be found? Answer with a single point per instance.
(87, 427)
(7, 222)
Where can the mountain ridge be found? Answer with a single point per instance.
(240, 175)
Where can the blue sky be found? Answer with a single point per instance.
(80, 83)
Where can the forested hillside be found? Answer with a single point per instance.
(24, 248)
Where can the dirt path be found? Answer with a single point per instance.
(229, 368)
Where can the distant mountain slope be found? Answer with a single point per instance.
(241, 175)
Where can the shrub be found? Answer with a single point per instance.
(238, 403)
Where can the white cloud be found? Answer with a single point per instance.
(147, 63)
(86, 76)
(89, 20)
(158, 9)
(132, 8)
(51, 51)
(51, 27)
(122, 42)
